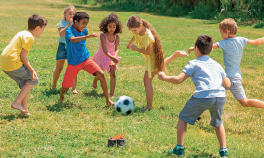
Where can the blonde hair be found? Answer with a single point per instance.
(228, 24)
(70, 7)
(134, 22)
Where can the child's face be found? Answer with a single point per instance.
(81, 25)
(69, 15)
(111, 27)
(135, 30)
(224, 34)
(39, 31)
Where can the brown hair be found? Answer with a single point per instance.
(205, 44)
(134, 22)
(36, 20)
(111, 18)
(228, 24)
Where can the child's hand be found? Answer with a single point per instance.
(94, 35)
(190, 49)
(129, 46)
(134, 48)
(70, 22)
(114, 59)
(112, 64)
(181, 53)
(33, 76)
(161, 75)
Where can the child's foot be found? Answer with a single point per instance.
(18, 107)
(95, 84)
(223, 152)
(111, 96)
(109, 102)
(61, 96)
(74, 92)
(145, 109)
(179, 151)
(26, 114)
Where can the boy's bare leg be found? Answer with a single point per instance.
(112, 81)
(176, 54)
(101, 76)
(220, 133)
(24, 105)
(251, 103)
(74, 84)
(95, 82)
(63, 90)
(181, 131)
(56, 74)
(18, 101)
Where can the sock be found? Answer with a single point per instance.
(223, 149)
(179, 146)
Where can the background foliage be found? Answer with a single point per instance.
(241, 10)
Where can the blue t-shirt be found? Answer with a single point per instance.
(207, 76)
(76, 52)
(63, 23)
(232, 53)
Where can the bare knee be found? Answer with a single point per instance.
(64, 89)
(59, 69)
(100, 74)
(244, 102)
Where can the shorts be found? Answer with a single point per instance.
(236, 88)
(72, 70)
(21, 76)
(194, 107)
(61, 52)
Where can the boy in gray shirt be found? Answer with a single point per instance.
(209, 78)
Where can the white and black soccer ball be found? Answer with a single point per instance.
(124, 105)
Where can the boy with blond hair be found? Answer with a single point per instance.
(209, 79)
(232, 48)
(15, 64)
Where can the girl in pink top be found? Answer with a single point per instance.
(107, 55)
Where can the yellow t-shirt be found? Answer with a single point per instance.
(10, 57)
(142, 43)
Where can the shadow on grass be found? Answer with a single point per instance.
(94, 94)
(63, 105)
(49, 92)
(11, 117)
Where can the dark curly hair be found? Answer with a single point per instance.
(111, 18)
(78, 16)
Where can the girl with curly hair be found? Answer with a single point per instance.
(149, 45)
(107, 55)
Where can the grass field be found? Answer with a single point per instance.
(81, 126)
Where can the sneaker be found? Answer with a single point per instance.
(111, 142)
(120, 142)
(223, 153)
(178, 152)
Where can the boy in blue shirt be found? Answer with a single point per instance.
(78, 55)
(209, 78)
(232, 48)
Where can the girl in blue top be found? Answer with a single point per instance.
(61, 53)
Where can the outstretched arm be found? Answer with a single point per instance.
(256, 42)
(80, 38)
(173, 79)
(226, 82)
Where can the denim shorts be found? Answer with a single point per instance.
(21, 76)
(61, 53)
(196, 106)
(236, 88)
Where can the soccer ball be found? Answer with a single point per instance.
(124, 105)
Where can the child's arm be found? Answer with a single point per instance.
(80, 38)
(173, 79)
(226, 82)
(256, 42)
(102, 39)
(62, 29)
(148, 51)
(116, 49)
(131, 42)
(23, 57)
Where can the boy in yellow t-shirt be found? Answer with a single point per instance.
(15, 64)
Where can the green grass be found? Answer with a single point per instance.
(81, 126)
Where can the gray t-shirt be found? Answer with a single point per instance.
(232, 53)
